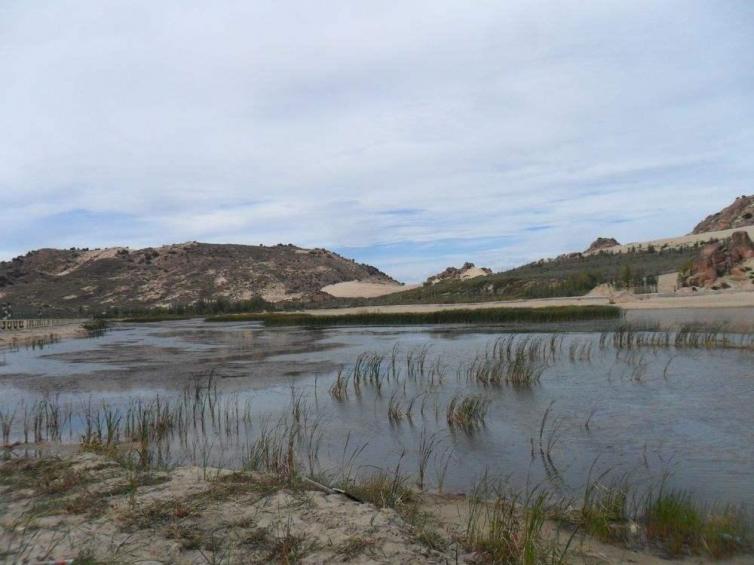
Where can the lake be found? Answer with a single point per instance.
(649, 406)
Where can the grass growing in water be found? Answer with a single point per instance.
(467, 413)
(466, 316)
(681, 526)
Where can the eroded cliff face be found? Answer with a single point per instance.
(719, 260)
(74, 279)
(738, 215)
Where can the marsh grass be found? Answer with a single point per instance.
(384, 490)
(605, 512)
(515, 361)
(508, 528)
(96, 327)
(456, 316)
(467, 412)
(681, 526)
(504, 528)
(339, 388)
(685, 336)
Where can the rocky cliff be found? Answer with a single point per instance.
(719, 260)
(737, 215)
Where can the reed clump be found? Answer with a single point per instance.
(514, 361)
(604, 513)
(681, 526)
(467, 412)
(506, 528)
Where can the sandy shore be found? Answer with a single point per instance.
(72, 330)
(91, 508)
(632, 302)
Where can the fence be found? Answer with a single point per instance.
(20, 325)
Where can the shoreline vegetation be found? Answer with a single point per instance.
(97, 506)
(480, 316)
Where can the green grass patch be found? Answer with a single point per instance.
(465, 316)
(679, 525)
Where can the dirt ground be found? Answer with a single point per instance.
(88, 507)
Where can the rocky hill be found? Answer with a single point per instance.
(737, 215)
(59, 281)
(602, 243)
(465, 272)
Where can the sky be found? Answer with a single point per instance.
(411, 135)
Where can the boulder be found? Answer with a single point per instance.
(719, 259)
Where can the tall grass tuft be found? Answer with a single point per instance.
(509, 529)
(467, 412)
(682, 527)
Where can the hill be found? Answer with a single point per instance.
(60, 282)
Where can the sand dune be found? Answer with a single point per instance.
(359, 289)
(673, 242)
(721, 299)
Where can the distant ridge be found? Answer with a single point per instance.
(55, 281)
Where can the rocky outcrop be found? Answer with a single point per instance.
(467, 271)
(718, 260)
(602, 243)
(65, 281)
(738, 215)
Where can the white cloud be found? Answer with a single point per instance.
(307, 122)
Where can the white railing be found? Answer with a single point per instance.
(33, 324)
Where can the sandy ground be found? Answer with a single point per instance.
(89, 507)
(55, 333)
(680, 241)
(473, 273)
(721, 299)
(358, 289)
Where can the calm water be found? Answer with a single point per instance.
(686, 412)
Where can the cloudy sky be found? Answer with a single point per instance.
(411, 135)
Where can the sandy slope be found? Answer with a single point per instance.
(359, 289)
(681, 241)
(722, 299)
